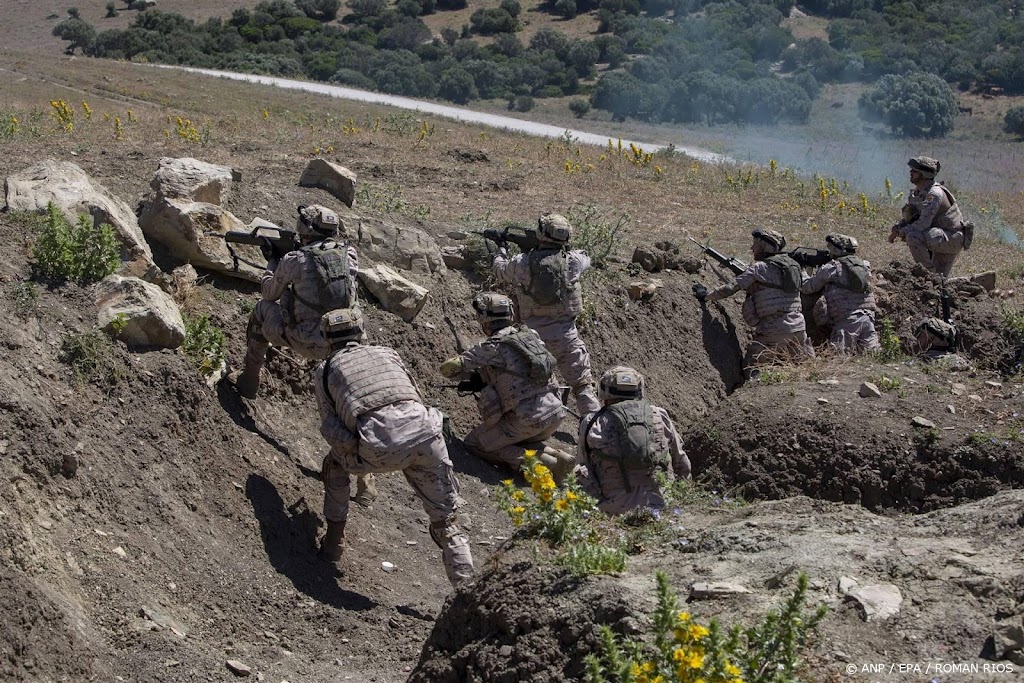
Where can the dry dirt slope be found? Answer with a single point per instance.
(215, 506)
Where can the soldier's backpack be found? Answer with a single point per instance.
(548, 284)
(539, 362)
(326, 268)
(855, 275)
(632, 425)
(788, 270)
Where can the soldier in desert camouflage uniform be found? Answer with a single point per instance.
(625, 443)
(297, 290)
(772, 307)
(375, 421)
(549, 300)
(847, 305)
(519, 403)
(932, 225)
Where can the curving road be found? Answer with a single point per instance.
(451, 112)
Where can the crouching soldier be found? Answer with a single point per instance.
(847, 305)
(375, 421)
(772, 307)
(625, 443)
(936, 342)
(519, 403)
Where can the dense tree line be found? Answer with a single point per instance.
(659, 60)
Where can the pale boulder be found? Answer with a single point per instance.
(403, 247)
(149, 315)
(333, 178)
(396, 294)
(188, 178)
(878, 602)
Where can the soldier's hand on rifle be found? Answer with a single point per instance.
(452, 367)
(894, 233)
(700, 291)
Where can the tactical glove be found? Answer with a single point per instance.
(700, 291)
(451, 367)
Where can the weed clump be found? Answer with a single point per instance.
(92, 358)
(892, 348)
(25, 295)
(85, 252)
(205, 344)
(685, 651)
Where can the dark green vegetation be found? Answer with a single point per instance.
(657, 60)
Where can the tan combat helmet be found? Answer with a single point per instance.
(926, 166)
(318, 221)
(554, 227)
(491, 307)
(342, 325)
(620, 382)
(773, 240)
(940, 333)
(841, 245)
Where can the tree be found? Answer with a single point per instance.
(456, 84)
(78, 32)
(916, 105)
(1013, 122)
(111, 10)
(366, 8)
(565, 8)
(321, 10)
(579, 108)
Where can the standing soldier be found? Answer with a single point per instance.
(297, 291)
(625, 443)
(846, 305)
(375, 421)
(550, 300)
(772, 307)
(519, 403)
(932, 225)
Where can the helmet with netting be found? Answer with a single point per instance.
(554, 227)
(317, 221)
(621, 382)
(492, 306)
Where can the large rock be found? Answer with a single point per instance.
(337, 180)
(188, 230)
(878, 602)
(149, 316)
(403, 247)
(192, 179)
(74, 192)
(396, 294)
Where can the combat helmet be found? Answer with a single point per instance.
(554, 227)
(342, 325)
(773, 240)
(491, 307)
(926, 166)
(317, 221)
(620, 382)
(841, 245)
(938, 328)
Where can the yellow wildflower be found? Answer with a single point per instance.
(684, 617)
(545, 496)
(569, 495)
(697, 632)
(518, 495)
(731, 670)
(562, 504)
(506, 482)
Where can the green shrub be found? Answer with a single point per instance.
(85, 252)
(92, 358)
(118, 324)
(892, 349)
(685, 651)
(25, 296)
(205, 344)
(594, 234)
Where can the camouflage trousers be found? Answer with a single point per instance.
(267, 326)
(604, 481)
(780, 347)
(428, 469)
(563, 341)
(936, 249)
(505, 442)
(856, 334)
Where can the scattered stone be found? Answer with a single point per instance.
(690, 264)
(120, 552)
(163, 621)
(505, 651)
(138, 313)
(828, 382)
(878, 602)
(191, 179)
(822, 400)
(993, 385)
(986, 279)
(457, 235)
(333, 178)
(775, 581)
(869, 390)
(643, 290)
(387, 566)
(238, 668)
(974, 397)
(846, 584)
(710, 591)
(455, 257)
(923, 423)
(1008, 636)
(396, 294)
(649, 259)
(840, 656)
(951, 409)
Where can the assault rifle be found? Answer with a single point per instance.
(272, 247)
(475, 383)
(730, 262)
(524, 238)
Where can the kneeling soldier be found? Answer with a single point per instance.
(519, 403)
(625, 442)
(375, 421)
(847, 304)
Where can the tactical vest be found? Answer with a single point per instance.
(782, 293)
(371, 377)
(325, 284)
(948, 216)
(549, 293)
(525, 369)
(632, 440)
(841, 298)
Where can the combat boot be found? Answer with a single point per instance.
(333, 543)
(559, 462)
(366, 490)
(247, 383)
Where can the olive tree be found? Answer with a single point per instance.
(915, 105)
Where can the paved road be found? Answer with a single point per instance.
(451, 112)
